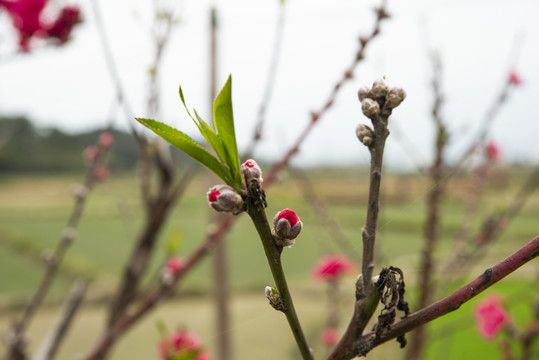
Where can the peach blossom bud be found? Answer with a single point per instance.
(90, 154)
(491, 317)
(514, 78)
(394, 97)
(329, 337)
(370, 108)
(251, 171)
(224, 198)
(379, 88)
(287, 227)
(106, 139)
(363, 93)
(365, 134)
(102, 172)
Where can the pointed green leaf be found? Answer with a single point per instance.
(211, 137)
(187, 145)
(173, 244)
(223, 119)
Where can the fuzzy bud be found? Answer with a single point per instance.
(172, 268)
(224, 198)
(363, 93)
(370, 108)
(365, 134)
(287, 227)
(251, 171)
(379, 88)
(274, 298)
(394, 97)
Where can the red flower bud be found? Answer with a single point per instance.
(329, 337)
(491, 317)
(106, 139)
(225, 199)
(332, 267)
(174, 264)
(514, 78)
(251, 171)
(287, 227)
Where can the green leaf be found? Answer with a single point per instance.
(173, 244)
(223, 119)
(211, 137)
(161, 327)
(187, 145)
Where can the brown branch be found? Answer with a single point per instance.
(50, 346)
(432, 225)
(452, 302)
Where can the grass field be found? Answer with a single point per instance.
(33, 212)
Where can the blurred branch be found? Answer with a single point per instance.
(434, 198)
(16, 341)
(49, 348)
(270, 79)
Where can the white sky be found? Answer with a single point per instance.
(70, 87)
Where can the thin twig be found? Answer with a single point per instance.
(49, 348)
(432, 224)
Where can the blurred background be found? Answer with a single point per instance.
(56, 100)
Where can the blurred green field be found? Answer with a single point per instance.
(34, 210)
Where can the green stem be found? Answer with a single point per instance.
(273, 254)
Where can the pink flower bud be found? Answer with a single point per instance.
(106, 139)
(174, 264)
(182, 344)
(514, 78)
(287, 227)
(251, 171)
(225, 199)
(332, 267)
(90, 154)
(102, 172)
(493, 152)
(61, 28)
(329, 337)
(491, 317)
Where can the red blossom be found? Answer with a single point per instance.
(491, 317)
(332, 267)
(63, 25)
(329, 337)
(514, 78)
(25, 15)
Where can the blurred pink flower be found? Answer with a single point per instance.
(90, 153)
(102, 172)
(64, 23)
(174, 264)
(329, 337)
(514, 78)
(491, 316)
(332, 267)
(25, 16)
(493, 152)
(182, 344)
(106, 139)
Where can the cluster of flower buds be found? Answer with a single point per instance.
(365, 134)
(379, 99)
(287, 227)
(224, 198)
(172, 267)
(251, 171)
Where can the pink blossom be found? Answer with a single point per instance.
(493, 152)
(514, 78)
(491, 317)
(62, 26)
(329, 337)
(332, 267)
(90, 153)
(25, 15)
(174, 264)
(182, 344)
(102, 172)
(106, 139)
